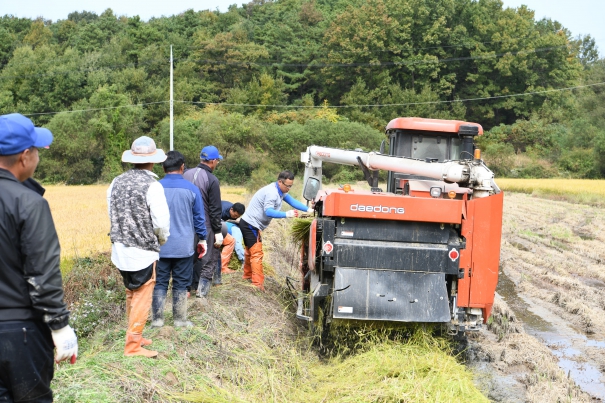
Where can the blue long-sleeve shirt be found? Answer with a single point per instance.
(186, 216)
(291, 201)
(265, 206)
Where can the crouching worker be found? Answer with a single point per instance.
(140, 223)
(234, 239)
(176, 255)
(264, 206)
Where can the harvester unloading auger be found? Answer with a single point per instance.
(426, 250)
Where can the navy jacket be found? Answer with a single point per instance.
(226, 206)
(211, 196)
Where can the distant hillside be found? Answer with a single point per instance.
(276, 67)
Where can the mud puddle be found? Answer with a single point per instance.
(575, 352)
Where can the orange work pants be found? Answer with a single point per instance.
(228, 248)
(138, 303)
(253, 264)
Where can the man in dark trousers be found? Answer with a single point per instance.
(33, 315)
(209, 186)
(176, 255)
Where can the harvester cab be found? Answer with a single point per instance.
(426, 250)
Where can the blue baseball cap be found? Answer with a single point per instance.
(210, 153)
(18, 133)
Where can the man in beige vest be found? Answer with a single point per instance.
(140, 223)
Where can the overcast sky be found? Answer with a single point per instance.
(579, 16)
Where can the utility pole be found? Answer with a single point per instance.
(171, 105)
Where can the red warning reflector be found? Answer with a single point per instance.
(454, 254)
(328, 247)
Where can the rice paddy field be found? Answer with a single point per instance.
(584, 191)
(81, 219)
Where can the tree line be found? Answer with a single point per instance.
(261, 81)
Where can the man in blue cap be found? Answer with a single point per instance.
(33, 314)
(209, 186)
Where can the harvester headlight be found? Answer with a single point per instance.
(435, 192)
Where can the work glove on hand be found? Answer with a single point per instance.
(307, 213)
(291, 214)
(202, 247)
(162, 238)
(66, 343)
(218, 240)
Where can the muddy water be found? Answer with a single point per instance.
(567, 344)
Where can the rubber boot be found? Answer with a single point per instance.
(133, 346)
(203, 288)
(228, 248)
(179, 308)
(247, 268)
(256, 263)
(157, 308)
(217, 278)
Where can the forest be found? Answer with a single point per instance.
(266, 79)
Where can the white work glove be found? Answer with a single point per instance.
(162, 238)
(202, 248)
(66, 343)
(307, 213)
(291, 214)
(218, 240)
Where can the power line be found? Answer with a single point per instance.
(401, 104)
(330, 106)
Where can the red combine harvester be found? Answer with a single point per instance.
(426, 250)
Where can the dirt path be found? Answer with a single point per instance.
(546, 340)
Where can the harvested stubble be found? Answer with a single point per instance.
(553, 253)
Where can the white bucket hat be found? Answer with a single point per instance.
(143, 151)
